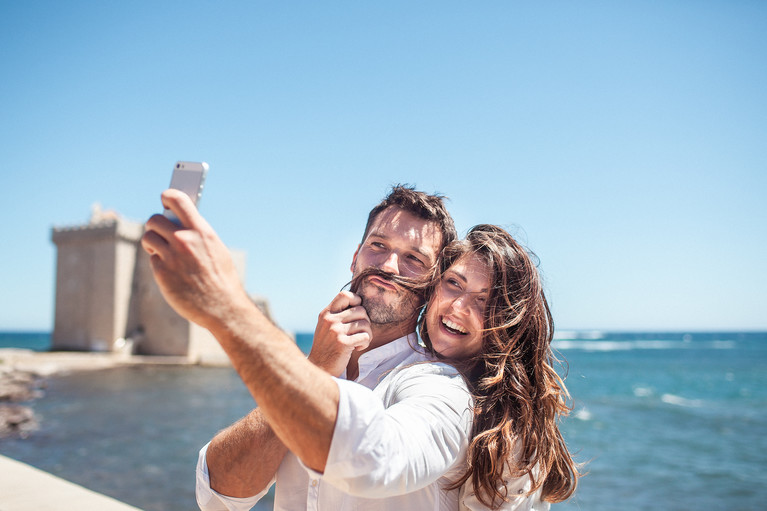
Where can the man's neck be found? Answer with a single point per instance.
(382, 334)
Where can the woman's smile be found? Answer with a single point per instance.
(456, 311)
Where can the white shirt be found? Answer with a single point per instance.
(400, 437)
(516, 492)
(517, 500)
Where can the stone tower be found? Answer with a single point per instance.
(107, 300)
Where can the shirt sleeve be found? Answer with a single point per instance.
(392, 444)
(210, 500)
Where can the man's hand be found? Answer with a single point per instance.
(192, 266)
(342, 327)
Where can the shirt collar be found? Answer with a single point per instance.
(388, 356)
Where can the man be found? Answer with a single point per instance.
(388, 439)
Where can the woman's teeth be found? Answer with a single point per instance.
(454, 327)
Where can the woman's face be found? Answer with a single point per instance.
(456, 311)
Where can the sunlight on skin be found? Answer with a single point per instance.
(455, 315)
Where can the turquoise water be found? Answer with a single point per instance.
(665, 421)
(670, 422)
(36, 341)
(41, 341)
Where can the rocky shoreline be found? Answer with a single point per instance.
(17, 419)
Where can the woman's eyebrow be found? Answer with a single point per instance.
(463, 278)
(458, 274)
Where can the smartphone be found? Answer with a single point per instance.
(189, 177)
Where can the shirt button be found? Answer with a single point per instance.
(314, 482)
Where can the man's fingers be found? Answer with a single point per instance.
(154, 244)
(343, 301)
(183, 207)
(357, 327)
(340, 322)
(157, 264)
(360, 341)
(161, 225)
(357, 313)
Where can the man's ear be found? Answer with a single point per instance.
(354, 259)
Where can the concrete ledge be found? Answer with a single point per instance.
(49, 363)
(25, 488)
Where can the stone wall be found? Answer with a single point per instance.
(94, 275)
(107, 299)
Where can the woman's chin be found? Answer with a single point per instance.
(442, 350)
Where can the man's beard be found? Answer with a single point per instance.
(401, 307)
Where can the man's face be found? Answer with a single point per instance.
(400, 243)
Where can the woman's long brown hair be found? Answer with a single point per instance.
(519, 397)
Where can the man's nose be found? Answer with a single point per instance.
(391, 264)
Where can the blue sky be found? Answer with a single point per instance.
(623, 142)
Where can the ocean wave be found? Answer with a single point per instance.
(569, 344)
(579, 334)
(675, 400)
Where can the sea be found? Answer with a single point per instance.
(674, 420)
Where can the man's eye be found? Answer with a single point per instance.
(377, 244)
(415, 259)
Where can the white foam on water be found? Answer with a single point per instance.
(578, 334)
(583, 414)
(675, 400)
(591, 345)
(642, 391)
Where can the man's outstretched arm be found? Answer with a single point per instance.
(196, 275)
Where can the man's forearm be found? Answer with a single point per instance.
(197, 277)
(297, 399)
(243, 458)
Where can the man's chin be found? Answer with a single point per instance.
(383, 312)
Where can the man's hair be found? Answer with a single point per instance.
(422, 205)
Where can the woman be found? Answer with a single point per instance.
(487, 314)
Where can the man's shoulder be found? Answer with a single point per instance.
(437, 382)
(417, 366)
